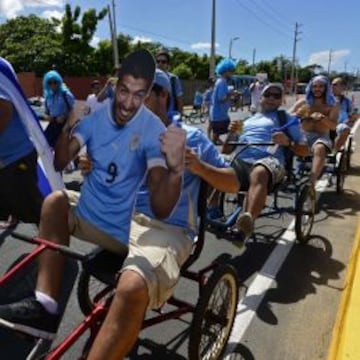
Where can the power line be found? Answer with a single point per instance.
(276, 13)
(262, 20)
(271, 14)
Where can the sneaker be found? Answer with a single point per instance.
(245, 226)
(30, 317)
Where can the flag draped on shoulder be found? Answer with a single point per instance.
(49, 179)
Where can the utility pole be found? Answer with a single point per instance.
(296, 39)
(113, 32)
(230, 44)
(212, 53)
(329, 63)
(253, 60)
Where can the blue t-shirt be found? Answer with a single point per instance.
(198, 98)
(345, 110)
(208, 96)
(57, 105)
(219, 110)
(121, 157)
(259, 128)
(186, 212)
(14, 140)
(176, 90)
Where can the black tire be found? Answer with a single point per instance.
(305, 214)
(348, 153)
(88, 287)
(229, 202)
(340, 173)
(214, 315)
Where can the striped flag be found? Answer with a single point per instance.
(49, 179)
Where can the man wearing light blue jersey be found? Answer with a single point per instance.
(259, 168)
(19, 192)
(220, 102)
(344, 124)
(128, 144)
(175, 234)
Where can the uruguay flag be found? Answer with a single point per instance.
(48, 179)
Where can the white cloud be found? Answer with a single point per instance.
(11, 8)
(48, 14)
(203, 46)
(95, 41)
(322, 57)
(140, 38)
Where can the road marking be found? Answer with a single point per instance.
(265, 279)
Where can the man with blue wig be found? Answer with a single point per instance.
(59, 101)
(319, 112)
(220, 104)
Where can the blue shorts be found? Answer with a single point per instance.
(220, 127)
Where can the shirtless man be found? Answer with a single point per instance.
(319, 112)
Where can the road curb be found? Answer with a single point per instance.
(345, 337)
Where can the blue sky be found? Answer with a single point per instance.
(265, 25)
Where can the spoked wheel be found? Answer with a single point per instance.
(305, 214)
(229, 202)
(214, 315)
(88, 288)
(340, 172)
(348, 153)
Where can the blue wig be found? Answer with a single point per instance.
(329, 96)
(225, 65)
(52, 75)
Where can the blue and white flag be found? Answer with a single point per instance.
(49, 179)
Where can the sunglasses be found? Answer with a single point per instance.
(52, 82)
(159, 61)
(276, 95)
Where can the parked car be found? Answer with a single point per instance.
(37, 103)
(300, 88)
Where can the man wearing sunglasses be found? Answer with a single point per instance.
(260, 168)
(127, 144)
(176, 98)
(319, 113)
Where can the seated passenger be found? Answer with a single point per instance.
(126, 142)
(260, 168)
(319, 112)
(171, 239)
(344, 125)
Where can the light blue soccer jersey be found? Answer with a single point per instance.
(259, 128)
(14, 141)
(219, 109)
(186, 212)
(57, 105)
(120, 156)
(345, 110)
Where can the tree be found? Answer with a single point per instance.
(183, 71)
(30, 43)
(77, 55)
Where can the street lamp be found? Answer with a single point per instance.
(230, 44)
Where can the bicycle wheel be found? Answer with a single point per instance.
(214, 315)
(305, 214)
(229, 202)
(340, 172)
(88, 288)
(348, 153)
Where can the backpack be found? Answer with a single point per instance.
(288, 154)
(173, 91)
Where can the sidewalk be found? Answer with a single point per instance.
(345, 343)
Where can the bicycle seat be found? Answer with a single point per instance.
(104, 265)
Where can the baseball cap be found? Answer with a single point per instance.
(272, 85)
(162, 80)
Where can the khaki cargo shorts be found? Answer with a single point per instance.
(156, 250)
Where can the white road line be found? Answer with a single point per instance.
(265, 279)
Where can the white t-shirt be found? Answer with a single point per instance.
(93, 103)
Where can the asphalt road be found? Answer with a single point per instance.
(292, 291)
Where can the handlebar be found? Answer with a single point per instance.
(237, 143)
